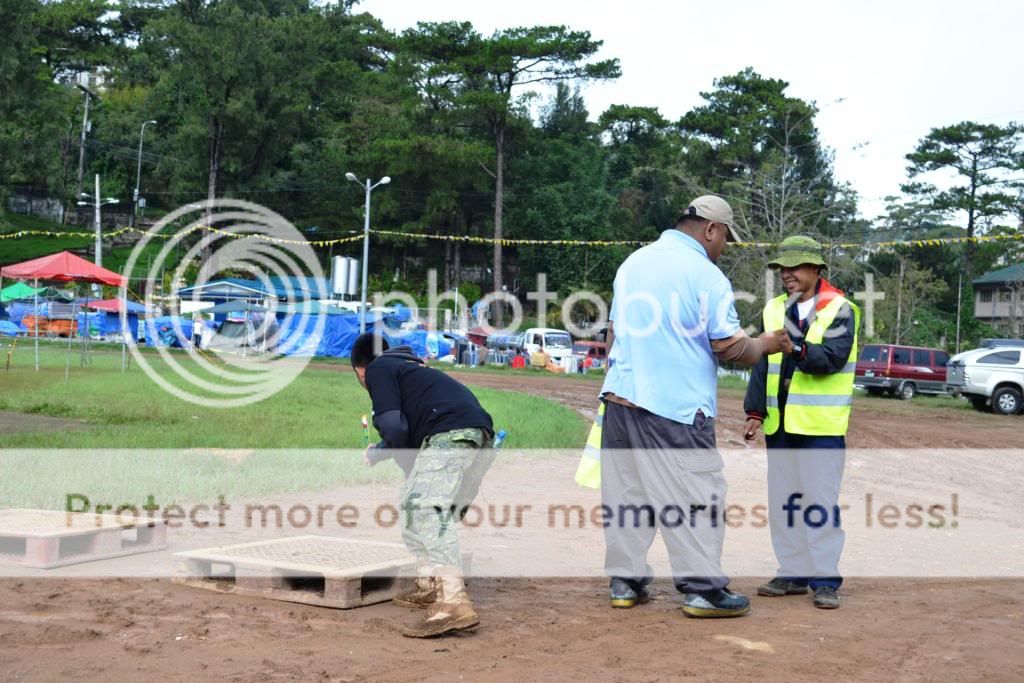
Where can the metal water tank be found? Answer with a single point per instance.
(339, 275)
(354, 275)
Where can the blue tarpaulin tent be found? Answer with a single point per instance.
(299, 337)
(160, 331)
(106, 324)
(18, 310)
(339, 332)
(299, 334)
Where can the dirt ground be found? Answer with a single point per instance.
(58, 626)
(23, 422)
(137, 630)
(875, 423)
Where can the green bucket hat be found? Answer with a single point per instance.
(798, 250)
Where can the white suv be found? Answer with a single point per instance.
(989, 377)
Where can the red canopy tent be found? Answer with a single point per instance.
(114, 306)
(61, 267)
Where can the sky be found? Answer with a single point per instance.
(883, 73)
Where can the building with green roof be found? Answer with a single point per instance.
(999, 299)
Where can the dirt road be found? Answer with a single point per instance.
(62, 628)
(25, 422)
(875, 423)
(118, 630)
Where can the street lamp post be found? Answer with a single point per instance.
(96, 204)
(138, 176)
(366, 241)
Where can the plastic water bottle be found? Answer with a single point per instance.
(499, 438)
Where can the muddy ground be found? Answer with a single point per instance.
(24, 422)
(59, 627)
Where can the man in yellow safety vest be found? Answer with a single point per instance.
(802, 398)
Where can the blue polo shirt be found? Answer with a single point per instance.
(669, 302)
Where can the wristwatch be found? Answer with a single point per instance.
(797, 349)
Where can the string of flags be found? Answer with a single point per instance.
(226, 233)
(472, 239)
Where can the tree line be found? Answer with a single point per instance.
(484, 135)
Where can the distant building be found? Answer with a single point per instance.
(999, 299)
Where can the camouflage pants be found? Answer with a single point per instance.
(444, 480)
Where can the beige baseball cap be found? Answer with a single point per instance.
(715, 209)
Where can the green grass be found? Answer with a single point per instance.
(895, 405)
(321, 409)
(732, 383)
(890, 404)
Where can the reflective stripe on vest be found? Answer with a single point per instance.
(817, 405)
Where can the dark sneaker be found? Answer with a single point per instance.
(778, 587)
(720, 603)
(826, 597)
(628, 593)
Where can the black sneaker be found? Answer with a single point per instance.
(627, 594)
(778, 587)
(826, 597)
(712, 604)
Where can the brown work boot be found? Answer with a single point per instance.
(423, 593)
(452, 611)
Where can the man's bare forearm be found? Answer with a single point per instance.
(738, 348)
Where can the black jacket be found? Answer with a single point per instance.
(412, 402)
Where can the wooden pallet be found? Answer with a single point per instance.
(314, 570)
(45, 539)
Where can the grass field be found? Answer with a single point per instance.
(321, 409)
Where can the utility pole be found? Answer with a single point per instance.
(899, 302)
(81, 141)
(138, 177)
(96, 222)
(959, 296)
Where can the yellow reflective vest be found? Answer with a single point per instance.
(818, 405)
(589, 471)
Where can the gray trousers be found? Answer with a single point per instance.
(805, 474)
(661, 474)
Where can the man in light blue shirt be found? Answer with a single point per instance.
(672, 320)
(670, 301)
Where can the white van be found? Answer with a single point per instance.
(556, 343)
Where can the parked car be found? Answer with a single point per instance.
(594, 332)
(596, 351)
(512, 343)
(989, 378)
(556, 343)
(901, 370)
(991, 343)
